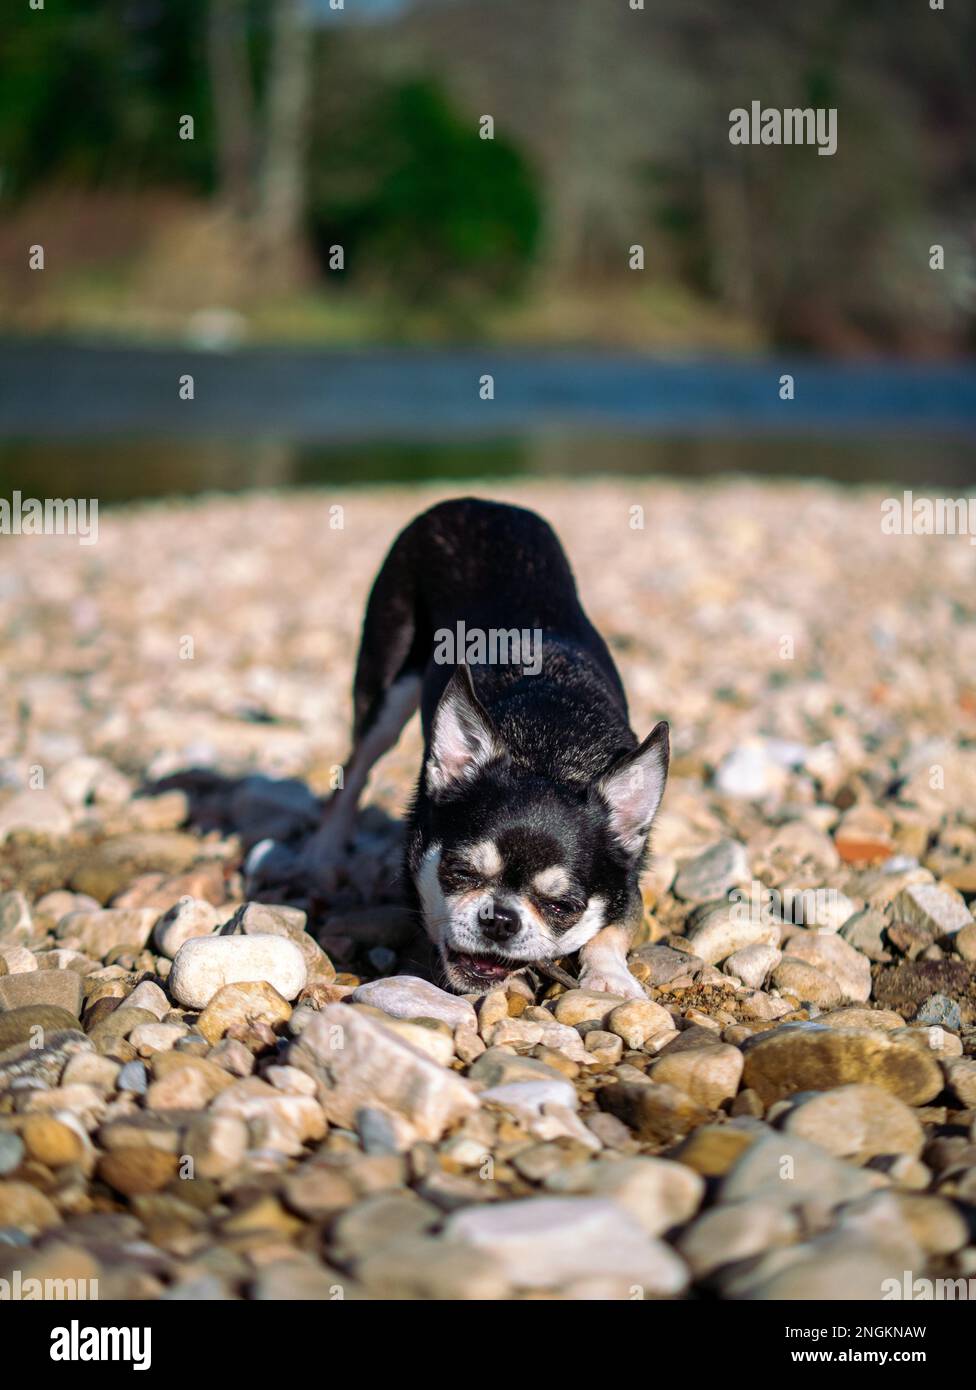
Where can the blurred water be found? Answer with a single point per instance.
(109, 422)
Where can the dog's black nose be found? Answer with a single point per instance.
(502, 924)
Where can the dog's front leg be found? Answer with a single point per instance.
(603, 963)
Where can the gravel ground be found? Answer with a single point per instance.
(206, 1094)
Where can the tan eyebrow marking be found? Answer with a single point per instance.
(552, 880)
(484, 858)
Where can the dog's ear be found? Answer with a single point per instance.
(633, 789)
(463, 738)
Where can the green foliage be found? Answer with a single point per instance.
(92, 92)
(413, 193)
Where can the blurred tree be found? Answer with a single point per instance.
(232, 99)
(410, 189)
(281, 201)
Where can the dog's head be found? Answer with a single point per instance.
(513, 868)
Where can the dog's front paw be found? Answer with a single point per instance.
(612, 981)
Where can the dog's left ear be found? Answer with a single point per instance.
(633, 789)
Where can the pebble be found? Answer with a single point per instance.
(713, 873)
(941, 1010)
(806, 983)
(11, 1152)
(927, 905)
(836, 958)
(637, 1021)
(658, 1193)
(216, 1144)
(150, 997)
(26, 1209)
(60, 989)
(578, 1006)
(531, 1097)
(603, 1047)
(710, 1075)
(240, 1006)
(655, 1112)
(53, 1142)
(724, 930)
(186, 919)
(546, 1242)
(753, 964)
(858, 1121)
(33, 1024)
(133, 1077)
(96, 933)
(809, 1057)
(735, 1231)
(203, 965)
(407, 996)
(263, 919)
(790, 1171)
(356, 1061)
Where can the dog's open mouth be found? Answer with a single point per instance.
(482, 969)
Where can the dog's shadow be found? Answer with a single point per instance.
(363, 902)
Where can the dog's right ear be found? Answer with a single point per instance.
(463, 738)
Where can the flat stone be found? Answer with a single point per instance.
(33, 1024)
(834, 956)
(735, 1231)
(266, 919)
(531, 1097)
(712, 873)
(858, 1121)
(418, 1267)
(38, 810)
(546, 1242)
(639, 1020)
(16, 922)
(657, 1192)
(789, 1170)
(134, 1172)
(865, 931)
(356, 1062)
(216, 1144)
(940, 1010)
(52, 1142)
(96, 933)
(753, 964)
(666, 964)
(927, 905)
(809, 1057)
(721, 931)
(203, 965)
(585, 1006)
(241, 1005)
(407, 996)
(26, 1209)
(186, 919)
(656, 1112)
(709, 1074)
(712, 1149)
(806, 983)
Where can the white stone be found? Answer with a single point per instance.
(407, 996)
(205, 964)
(546, 1242)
